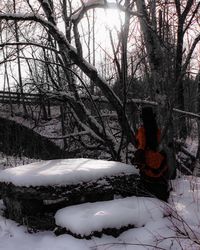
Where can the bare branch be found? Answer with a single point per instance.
(187, 61)
(78, 14)
(193, 15)
(29, 44)
(140, 101)
(68, 135)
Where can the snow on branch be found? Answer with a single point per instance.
(29, 44)
(140, 101)
(86, 120)
(187, 113)
(38, 18)
(67, 50)
(92, 4)
(25, 17)
(47, 6)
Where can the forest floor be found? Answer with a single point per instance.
(47, 128)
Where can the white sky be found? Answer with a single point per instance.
(105, 19)
(108, 18)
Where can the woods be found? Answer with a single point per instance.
(102, 99)
(152, 53)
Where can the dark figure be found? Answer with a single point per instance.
(152, 163)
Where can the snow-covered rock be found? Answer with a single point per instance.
(110, 217)
(33, 193)
(64, 172)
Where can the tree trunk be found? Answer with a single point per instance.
(156, 57)
(19, 63)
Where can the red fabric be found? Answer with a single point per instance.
(153, 159)
(141, 138)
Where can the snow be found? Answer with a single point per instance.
(90, 217)
(92, 2)
(153, 230)
(63, 172)
(158, 225)
(186, 205)
(86, 4)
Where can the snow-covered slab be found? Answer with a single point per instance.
(64, 172)
(44, 187)
(92, 219)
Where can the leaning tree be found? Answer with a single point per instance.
(167, 62)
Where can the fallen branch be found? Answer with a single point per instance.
(152, 103)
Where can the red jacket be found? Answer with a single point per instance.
(155, 162)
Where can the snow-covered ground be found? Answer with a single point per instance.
(48, 128)
(159, 225)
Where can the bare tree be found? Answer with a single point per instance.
(157, 51)
(71, 63)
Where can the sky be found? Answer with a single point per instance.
(157, 225)
(105, 20)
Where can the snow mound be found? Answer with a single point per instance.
(85, 219)
(64, 172)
